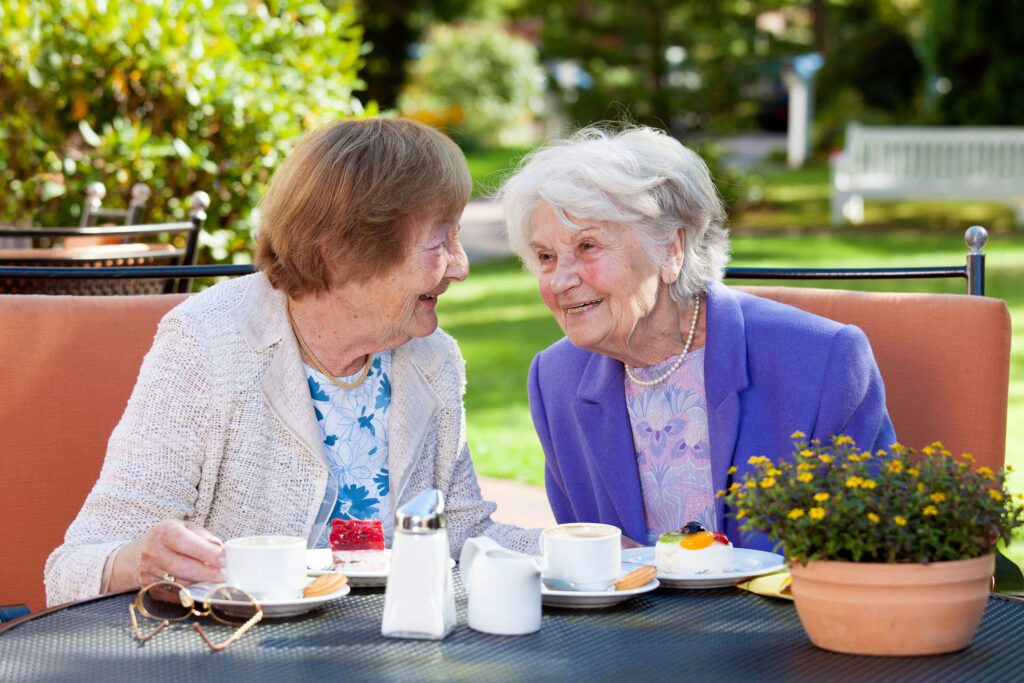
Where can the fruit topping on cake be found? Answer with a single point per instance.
(693, 550)
(358, 544)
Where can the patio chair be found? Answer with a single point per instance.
(179, 250)
(945, 358)
(93, 210)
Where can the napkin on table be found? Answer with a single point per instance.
(771, 585)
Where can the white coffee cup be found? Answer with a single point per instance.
(581, 556)
(268, 567)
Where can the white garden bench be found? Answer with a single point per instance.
(921, 162)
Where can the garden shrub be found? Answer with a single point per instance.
(182, 95)
(478, 81)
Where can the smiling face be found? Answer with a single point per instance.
(402, 303)
(603, 288)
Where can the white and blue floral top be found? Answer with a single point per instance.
(354, 423)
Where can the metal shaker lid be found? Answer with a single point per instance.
(422, 515)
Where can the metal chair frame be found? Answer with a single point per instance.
(177, 280)
(973, 271)
(93, 211)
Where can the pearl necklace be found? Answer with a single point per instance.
(320, 366)
(679, 361)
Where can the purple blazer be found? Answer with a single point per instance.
(769, 370)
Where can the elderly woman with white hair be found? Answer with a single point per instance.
(667, 381)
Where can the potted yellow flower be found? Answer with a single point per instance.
(891, 552)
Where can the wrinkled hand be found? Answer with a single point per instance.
(185, 550)
(628, 542)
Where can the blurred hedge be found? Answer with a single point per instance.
(183, 96)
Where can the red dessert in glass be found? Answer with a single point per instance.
(358, 544)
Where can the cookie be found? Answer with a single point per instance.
(324, 585)
(636, 578)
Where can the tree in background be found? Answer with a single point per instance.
(207, 96)
(394, 28)
(974, 50)
(476, 80)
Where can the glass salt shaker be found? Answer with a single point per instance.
(419, 601)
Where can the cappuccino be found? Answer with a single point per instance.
(582, 531)
(581, 556)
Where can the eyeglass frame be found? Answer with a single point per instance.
(189, 603)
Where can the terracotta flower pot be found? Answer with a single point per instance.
(870, 608)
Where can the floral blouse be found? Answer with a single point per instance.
(670, 433)
(354, 423)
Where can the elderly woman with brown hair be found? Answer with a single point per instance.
(667, 381)
(319, 388)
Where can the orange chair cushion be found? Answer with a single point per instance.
(69, 365)
(945, 360)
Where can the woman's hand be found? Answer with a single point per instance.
(628, 542)
(184, 550)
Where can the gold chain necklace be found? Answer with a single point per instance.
(679, 361)
(320, 366)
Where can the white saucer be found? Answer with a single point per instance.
(591, 599)
(747, 564)
(271, 608)
(318, 559)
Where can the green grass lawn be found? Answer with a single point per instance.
(500, 322)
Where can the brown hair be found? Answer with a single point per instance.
(345, 194)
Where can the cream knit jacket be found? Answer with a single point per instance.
(220, 430)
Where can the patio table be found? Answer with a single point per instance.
(721, 634)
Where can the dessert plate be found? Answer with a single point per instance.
(591, 599)
(271, 608)
(746, 565)
(320, 561)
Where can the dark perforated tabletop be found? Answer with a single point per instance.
(723, 634)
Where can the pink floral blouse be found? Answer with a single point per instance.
(670, 433)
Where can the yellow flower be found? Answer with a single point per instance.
(854, 458)
(804, 466)
(900, 521)
(938, 497)
(720, 494)
(817, 513)
(986, 472)
(796, 513)
(873, 517)
(741, 514)
(807, 453)
(797, 435)
(768, 482)
(826, 458)
(880, 452)
(853, 482)
(896, 466)
(920, 486)
(967, 456)
(866, 455)
(931, 510)
(868, 484)
(732, 470)
(995, 494)
(750, 485)
(843, 440)
(928, 450)
(757, 460)
(821, 497)
(914, 472)
(805, 477)
(773, 472)
(898, 448)
(734, 486)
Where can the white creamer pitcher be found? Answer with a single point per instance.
(503, 588)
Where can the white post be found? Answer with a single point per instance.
(799, 79)
(798, 136)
